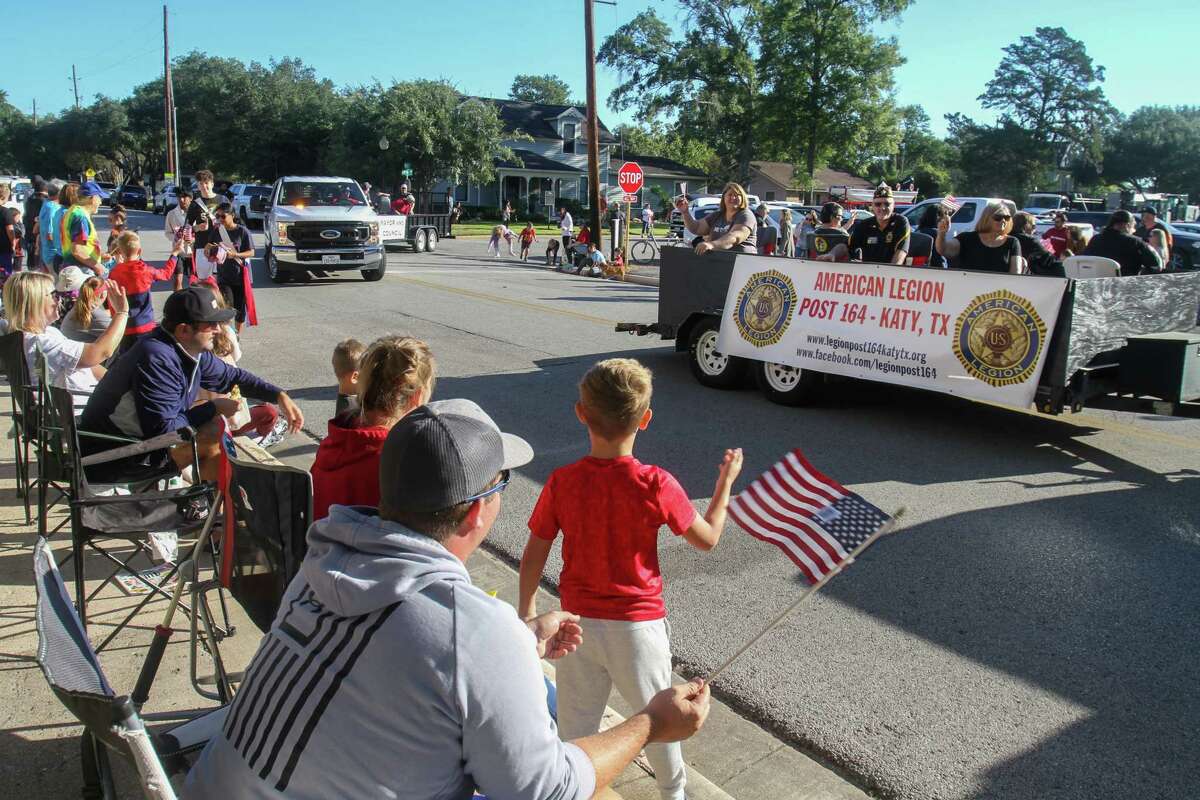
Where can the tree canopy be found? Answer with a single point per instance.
(540, 89)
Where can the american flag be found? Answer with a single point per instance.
(816, 521)
(950, 202)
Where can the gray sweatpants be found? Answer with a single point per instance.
(636, 658)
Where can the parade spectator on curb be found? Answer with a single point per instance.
(1117, 242)
(80, 243)
(346, 358)
(647, 220)
(609, 508)
(882, 239)
(152, 389)
(48, 241)
(928, 225)
(448, 698)
(528, 237)
(596, 262)
(404, 202)
(494, 241)
(731, 227)
(988, 248)
(787, 241)
(175, 227)
(566, 227)
(8, 234)
(30, 306)
(553, 258)
(88, 319)
(233, 274)
(1058, 236)
(199, 219)
(117, 217)
(32, 215)
(137, 278)
(1156, 234)
(396, 374)
(1038, 259)
(67, 284)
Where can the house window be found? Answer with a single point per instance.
(584, 196)
(568, 137)
(770, 196)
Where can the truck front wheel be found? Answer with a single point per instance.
(711, 367)
(788, 386)
(376, 274)
(274, 272)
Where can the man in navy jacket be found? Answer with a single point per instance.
(151, 390)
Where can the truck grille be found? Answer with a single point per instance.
(309, 234)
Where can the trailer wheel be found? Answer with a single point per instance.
(788, 386)
(419, 240)
(711, 367)
(375, 274)
(431, 241)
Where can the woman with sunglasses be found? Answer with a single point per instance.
(395, 375)
(988, 248)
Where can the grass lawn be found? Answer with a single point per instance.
(484, 228)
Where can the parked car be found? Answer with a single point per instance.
(166, 199)
(243, 195)
(970, 209)
(111, 188)
(1185, 252)
(133, 196)
(1097, 219)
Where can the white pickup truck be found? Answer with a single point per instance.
(321, 224)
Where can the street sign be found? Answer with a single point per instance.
(630, 177)
(630, 198)
(91, 173)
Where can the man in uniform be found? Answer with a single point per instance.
(829, 237)
(883, 239)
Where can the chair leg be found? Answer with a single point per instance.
(80, 580)
(28, 515)
(214, 551)
(155, 589)
(97, 771)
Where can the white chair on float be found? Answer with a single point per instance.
(1080, 267)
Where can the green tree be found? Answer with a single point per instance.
(1003, 160)
(921, 155)
(1048, 84)
(707, 76)
(1157, 149)
(831, 80)
(540, 89)
(667, 142)
(11, 120)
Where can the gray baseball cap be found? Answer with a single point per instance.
(443, 454)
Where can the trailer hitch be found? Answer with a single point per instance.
(637, 328)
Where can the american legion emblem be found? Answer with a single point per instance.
(764, 307)
(998, 338)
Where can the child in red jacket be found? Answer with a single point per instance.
(136, 277)
(396, 375)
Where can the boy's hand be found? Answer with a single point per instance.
(557, 633)
(731, 466)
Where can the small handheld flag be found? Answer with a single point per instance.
(950, 202)
(816, 521)
(821, 525)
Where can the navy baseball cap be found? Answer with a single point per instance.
(191, 305)
(92, 189)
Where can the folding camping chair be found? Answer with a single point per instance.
(24, 415)
(111, 722)
(124, 518)
(271, 507)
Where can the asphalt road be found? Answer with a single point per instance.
(1031, 633)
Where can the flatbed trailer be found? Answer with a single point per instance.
(1019, 340)
(421, 232)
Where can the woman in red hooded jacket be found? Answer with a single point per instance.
(396, 375)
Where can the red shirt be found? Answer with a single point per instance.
(527, 235)
(402, 205)
(609, 512)
(1057, 238)
(346, 469)
(584, 236)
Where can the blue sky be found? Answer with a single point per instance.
(952, 48)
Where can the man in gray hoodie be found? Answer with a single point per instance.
(387, 674)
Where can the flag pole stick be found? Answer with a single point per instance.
(882, 531)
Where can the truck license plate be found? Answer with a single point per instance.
(330, 259)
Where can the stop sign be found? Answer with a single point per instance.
(630, 178)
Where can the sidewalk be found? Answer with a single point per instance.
(39, 739)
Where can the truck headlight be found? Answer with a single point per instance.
(373, 233)
(1196, 245)
(281, 233)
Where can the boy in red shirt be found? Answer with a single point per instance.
(609, 507)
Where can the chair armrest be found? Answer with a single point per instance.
(136, 449)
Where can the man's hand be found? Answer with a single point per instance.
(291, 412)
(703, 247)
(677, 713)
(226, 406)
(557, 633)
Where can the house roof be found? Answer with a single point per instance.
(656, 165)
(537, 119)
(535, 162)
(784, 174)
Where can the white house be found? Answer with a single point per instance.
(552, 165)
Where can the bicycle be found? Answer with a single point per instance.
(645, 250)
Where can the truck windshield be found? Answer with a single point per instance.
(325, 193)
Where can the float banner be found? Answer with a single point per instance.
(975, 334)
(392, 227)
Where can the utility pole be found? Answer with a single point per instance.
(168, 102)
(35, 112)
(593, 124)
(75, 86)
